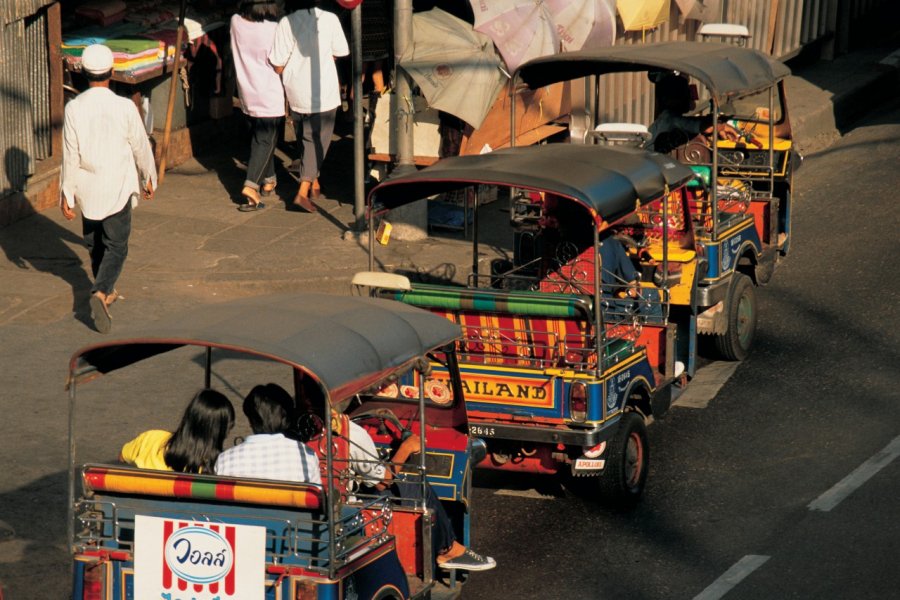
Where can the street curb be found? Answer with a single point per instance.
(819, 125)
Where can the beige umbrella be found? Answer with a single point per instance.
(456, 68)
(638, 15)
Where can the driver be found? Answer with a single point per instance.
(672, 128)
(377, 478)
(380, 479)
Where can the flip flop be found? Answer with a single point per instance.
(251, 207)
(100, 314)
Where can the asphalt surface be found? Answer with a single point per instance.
(191, 246)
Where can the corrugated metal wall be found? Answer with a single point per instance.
(628, 96)
(25, 127)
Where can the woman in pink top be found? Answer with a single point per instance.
(260, 91)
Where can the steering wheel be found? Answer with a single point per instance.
(384, 415)
(309, 426)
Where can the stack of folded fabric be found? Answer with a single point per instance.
(133, 54)
(102, 12)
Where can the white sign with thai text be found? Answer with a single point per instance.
(190, 560)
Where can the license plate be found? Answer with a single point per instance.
(481, 431)
(589, 464)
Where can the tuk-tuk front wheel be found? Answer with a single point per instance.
(622, 481)
(740, 308)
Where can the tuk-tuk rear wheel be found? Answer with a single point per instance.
(740, 309)
(622, 481)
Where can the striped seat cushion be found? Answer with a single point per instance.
(127, 480)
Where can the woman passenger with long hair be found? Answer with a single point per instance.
(195, 444)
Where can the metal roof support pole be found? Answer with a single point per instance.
(70, 510)
(714, 176)
(772, 140)
(411, 221)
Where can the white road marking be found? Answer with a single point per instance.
(525, 494)
(733, 576)
(854, 480)
(706, 384)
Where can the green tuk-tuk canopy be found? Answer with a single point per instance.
(726, 71)
(608, 180)
(345, 342)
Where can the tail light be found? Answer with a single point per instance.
(578, 401)
(94, 582)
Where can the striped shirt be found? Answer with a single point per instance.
(270, 456)
(105, 147)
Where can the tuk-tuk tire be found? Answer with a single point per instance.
(740, 308)
(622, 482)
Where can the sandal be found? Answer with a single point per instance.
(100, 314)
(253, 202)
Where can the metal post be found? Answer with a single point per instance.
(359, 148)
(207, 377)
(411, 220)
(403, 115)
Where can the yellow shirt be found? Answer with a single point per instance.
(147, 451)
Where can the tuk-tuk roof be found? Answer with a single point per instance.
(725, 70)
(347, 343)
(608, 180)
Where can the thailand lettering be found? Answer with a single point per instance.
(504, 390)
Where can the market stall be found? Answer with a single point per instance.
(142, 35)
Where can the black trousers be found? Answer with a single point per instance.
(107, 244)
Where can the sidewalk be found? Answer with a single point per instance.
(191, 245)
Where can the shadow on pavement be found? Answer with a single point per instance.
(36, 242)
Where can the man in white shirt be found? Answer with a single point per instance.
(268, 454)
(306, 43)
(107, 161)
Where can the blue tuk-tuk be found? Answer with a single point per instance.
(141, 534)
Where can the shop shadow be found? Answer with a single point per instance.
(35, 242)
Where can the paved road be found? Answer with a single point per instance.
(728, 504)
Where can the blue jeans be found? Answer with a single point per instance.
(263, 139)
(107, 244)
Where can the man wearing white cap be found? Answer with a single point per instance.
(107, 163)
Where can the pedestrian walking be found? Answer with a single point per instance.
(107, 162)
(260, 92)
(306, 43)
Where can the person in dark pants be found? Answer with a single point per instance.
(260, 92)
(107, 162)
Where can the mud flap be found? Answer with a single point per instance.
(661, 401)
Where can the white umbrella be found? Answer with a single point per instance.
(584, 23)
(457, 68)
(521, 29)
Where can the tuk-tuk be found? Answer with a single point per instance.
(744, 211)
(139, 533)
(563, 359)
